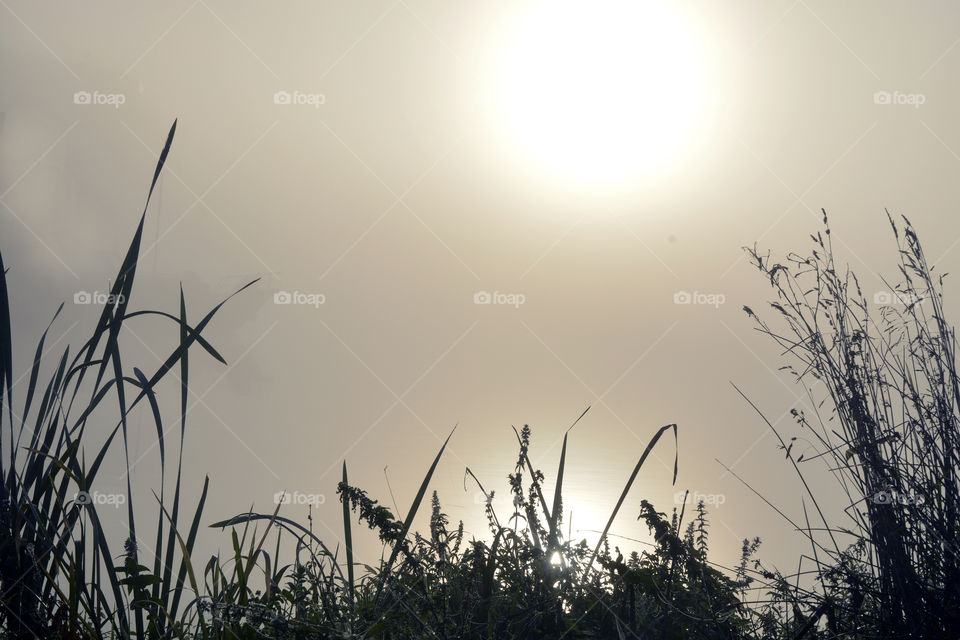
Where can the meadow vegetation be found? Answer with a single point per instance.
(885, 398)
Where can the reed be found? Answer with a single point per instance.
(58, 572)
(885, 395)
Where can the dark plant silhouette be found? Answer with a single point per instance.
(887, 378)
(888, 432)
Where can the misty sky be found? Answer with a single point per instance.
(355, 154)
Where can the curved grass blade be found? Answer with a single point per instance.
(496, 520)
(626, 489)
(158, 423)
(244, 518)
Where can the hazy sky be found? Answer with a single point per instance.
(396, 160)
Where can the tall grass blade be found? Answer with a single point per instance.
(6, 362)
(556, 513)
(34, 372)
(626, 489)
(184, 377)
(411, 514)
(348, 538)
(187, 550)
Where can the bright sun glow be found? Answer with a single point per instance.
(600, 92)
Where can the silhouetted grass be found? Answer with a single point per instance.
(891, 394)
(57, 570)
(883, 382)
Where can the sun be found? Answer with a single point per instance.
(604, 92)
